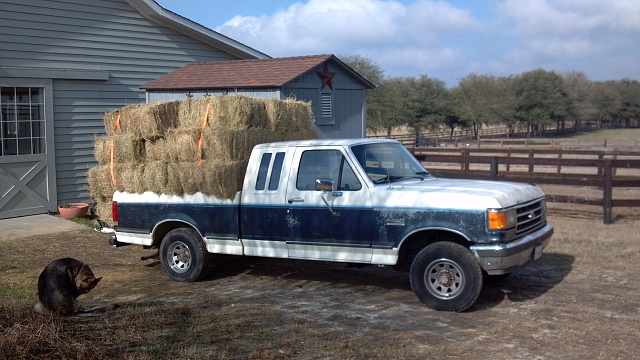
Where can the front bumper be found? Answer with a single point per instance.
(506, 258)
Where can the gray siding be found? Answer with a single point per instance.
(106, 36)
(348, 102)
(168, 95)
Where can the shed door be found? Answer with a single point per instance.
(24, 177)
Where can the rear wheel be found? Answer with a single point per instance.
(184, 256)
(446, 276)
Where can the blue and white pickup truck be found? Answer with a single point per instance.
(363, 201)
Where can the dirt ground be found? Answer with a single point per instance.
(579, 301)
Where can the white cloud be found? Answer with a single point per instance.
(444, 40)
(596, 37)
(357, 26)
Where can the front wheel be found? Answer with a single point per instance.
(446, 276)
(184, 256)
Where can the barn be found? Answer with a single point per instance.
(336, 92)
(63, 64)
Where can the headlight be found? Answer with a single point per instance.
(501, 219)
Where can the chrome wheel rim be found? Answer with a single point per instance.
(444, 279)
(179, 257)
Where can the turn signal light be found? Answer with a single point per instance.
(501, 219)
(497, 220)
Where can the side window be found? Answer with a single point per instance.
(276, 171)
(348, 180)
(262, 171)
(326, 164)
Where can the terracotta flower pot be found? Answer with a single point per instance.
(73, 210)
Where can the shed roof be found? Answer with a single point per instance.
(251, 73)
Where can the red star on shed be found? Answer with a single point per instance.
(326, 77)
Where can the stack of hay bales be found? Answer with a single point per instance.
(183, 147)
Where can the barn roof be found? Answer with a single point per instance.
(253, 73)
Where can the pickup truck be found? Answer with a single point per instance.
(358, 201)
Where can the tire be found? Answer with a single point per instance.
(446, 276)
(184, 256)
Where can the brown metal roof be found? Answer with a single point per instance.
(239, 73)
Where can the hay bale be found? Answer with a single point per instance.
(104, 212)
(177, 146)
(128, 120)
(126, 149)
(144, 121)
(154, 177)
(223, 179)
(299, 135)
(128, 177)
(223, 144)
(288, 115)
(230, 111)
(99, 182)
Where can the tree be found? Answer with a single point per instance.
(389, 108)
(629, 91)
(541, 99)
(580, 92)
(427, 101)
(473, 98)
(607, 102)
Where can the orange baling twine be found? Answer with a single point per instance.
(112, 146)
(205, 122)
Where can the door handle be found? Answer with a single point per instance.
(295, 200)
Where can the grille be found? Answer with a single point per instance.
(530, 217)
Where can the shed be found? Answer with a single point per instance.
(63, 64)
(337, 93)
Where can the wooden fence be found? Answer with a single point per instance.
(543, 166)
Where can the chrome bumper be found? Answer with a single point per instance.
(506, 258)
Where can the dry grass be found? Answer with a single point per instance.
(579, 301)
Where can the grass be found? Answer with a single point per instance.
(617, 134)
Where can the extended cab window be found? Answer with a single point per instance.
(326, 164)
(274, 175)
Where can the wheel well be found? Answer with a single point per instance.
(412, 245)
(163, 229)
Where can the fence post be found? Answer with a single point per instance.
(559, 157)
(465, 164)
(494, 168)
(530, 161)
(607, 197)
(600, 157)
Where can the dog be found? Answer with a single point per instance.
(59, 285)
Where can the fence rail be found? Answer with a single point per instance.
(599, 170)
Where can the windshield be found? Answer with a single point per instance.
(388, 162)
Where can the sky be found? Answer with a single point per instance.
(447, 39)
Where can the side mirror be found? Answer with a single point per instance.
(324, 184)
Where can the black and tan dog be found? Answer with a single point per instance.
(59, 285)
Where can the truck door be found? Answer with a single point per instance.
(332, 225)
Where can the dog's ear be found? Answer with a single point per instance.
(86, 284)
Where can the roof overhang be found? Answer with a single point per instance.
(156, 13)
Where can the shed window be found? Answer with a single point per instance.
(22, 123)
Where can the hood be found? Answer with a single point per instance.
(455, 194)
